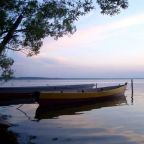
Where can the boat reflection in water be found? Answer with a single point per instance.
(50, 112)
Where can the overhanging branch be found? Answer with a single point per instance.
(10, 33)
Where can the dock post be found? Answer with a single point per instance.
(132, 91)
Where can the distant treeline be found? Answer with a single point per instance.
(47, 78)
(31, 78)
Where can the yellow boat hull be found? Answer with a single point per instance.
(67, 97)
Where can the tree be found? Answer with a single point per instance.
(25, 23)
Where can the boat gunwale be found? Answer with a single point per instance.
(116, 90)
(90, 90)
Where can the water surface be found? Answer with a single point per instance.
(115, 122)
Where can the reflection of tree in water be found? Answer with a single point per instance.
(7, 137)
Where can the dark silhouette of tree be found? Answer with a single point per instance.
(25, 23)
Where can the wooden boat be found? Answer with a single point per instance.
(8, 90)
(50, 112)
(15, 95)
(53, 98)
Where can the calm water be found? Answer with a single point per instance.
(116, 122)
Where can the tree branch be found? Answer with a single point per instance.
(13, 49)
(9, 35)
(19, 30)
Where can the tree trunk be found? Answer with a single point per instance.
(9, 35)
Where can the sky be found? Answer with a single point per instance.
(102, 47)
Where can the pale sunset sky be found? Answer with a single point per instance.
(102, 47)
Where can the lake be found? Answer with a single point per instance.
(114, 122)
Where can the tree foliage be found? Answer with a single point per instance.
(5, 65)
(25, 23)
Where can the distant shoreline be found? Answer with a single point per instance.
(47, 78)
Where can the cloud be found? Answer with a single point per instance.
(91, 51)
(87, 38)
(91, 34)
